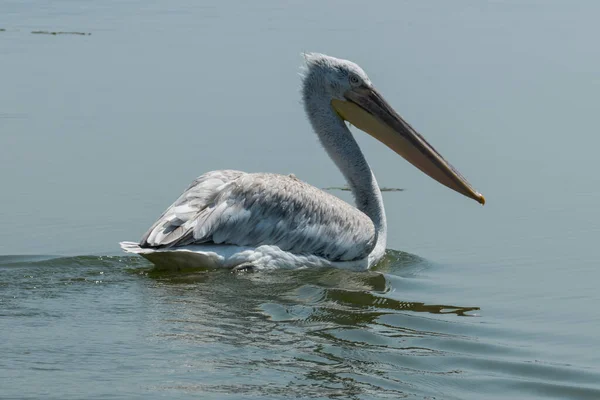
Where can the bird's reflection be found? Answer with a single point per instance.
(326, 333)
(337, 295)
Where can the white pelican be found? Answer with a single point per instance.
(247, 221)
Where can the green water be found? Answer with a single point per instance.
(100, 132)
(104, 327)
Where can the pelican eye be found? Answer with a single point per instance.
(355, 80)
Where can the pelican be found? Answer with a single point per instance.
(247, 221)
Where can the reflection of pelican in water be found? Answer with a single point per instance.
(235, 219)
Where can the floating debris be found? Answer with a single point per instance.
(60, 33)
(2, 30)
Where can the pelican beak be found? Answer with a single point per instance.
(366, 109)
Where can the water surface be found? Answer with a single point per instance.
(99, 133)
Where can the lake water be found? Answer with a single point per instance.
(99, 133)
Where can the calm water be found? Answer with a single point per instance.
(99, 133)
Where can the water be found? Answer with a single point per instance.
(99, 133)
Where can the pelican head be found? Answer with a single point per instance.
(352, 96)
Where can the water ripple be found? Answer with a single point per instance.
(302, 334)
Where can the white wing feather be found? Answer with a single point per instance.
(244, 209)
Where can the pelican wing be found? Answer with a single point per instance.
(238, 208)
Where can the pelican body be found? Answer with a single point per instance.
(233, 219)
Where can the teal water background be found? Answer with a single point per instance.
(99, 133)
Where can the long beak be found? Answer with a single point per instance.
(366, 109)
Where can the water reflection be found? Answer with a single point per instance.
(334, 295)
(320, 333)
(314, 333)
